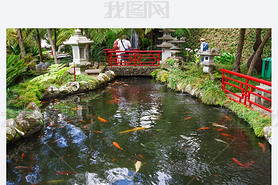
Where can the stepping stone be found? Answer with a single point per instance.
(92, 71)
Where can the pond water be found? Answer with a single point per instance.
(82, 141)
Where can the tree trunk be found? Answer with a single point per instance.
(236, 67)
(20, 42)
(87, 33)
(258, 52)
(55, 38)
(259, 62)
(52, 45)
(39, 45)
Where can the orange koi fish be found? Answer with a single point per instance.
(134, 129)
(226, 135)
(262, 145)
(22, 155)
(77, 108)
(44, 102)
(117, 145)
(69, 155)
(249, 163)
(101, 119)
(55, 99)
(140, 155)
(99, 132)
(203, 128)
(83, 121)
(84, 126)
(239, 163)
(51, 124)
(113, 159)
(69, 121)
(187, 118)
(221, 129)
(228, 118)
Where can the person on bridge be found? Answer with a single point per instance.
(124, 45)
(116, 47)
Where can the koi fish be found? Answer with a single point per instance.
(69, 121)
(55, 99)
(249, 163)
(56, 141)
(187, 118)
(65, 172)
(226, 135)
(219, 140)
(22, 155)
(77, 108)
(113, 159)
(239, 163)
(134, 129)
(217, 125)
(137, 165)
(228, 118)
(140, 155)
(84, 126)
(51, 124)
(101, 119)
(24, 168)
(203, 128)
(221, 129)
(69, 155)
(197, 178)
(99, 132)
(184, 137)
(262, 145)
(44, 102)
(117, 145)
(83, 121)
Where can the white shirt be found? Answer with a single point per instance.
(126, 44)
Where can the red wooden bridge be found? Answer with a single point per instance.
(261, 94)
(133, 57)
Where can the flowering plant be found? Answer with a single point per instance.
(191, 55)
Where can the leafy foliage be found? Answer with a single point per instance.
(15, 68)
(226, 58)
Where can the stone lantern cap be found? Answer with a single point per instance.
(174, 47)
(78, 39)
(175, 51)
(176, 40)
(211, 52)
(166, 37)
(165, 45)
(167, 30)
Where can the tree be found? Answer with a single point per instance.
(52, 45)
(240, 44)
(20, 43)
(258, 41)
(39, 44)
(258, 52)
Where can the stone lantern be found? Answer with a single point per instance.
(208, 62)
(78, 43)
(166, 52)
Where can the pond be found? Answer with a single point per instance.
(176, 139)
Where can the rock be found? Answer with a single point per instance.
(104, 76)
(100, 79)
(32, 106)
(96, 64)
(188, 88)
(73, 86)
(267, 133)
(10, 123)
(47, 64)
(179, 87)
(53, 90)
(39, 67)
(64, 89)
(10, 133)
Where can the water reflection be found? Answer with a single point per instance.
(76, 147)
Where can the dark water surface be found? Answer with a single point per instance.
(76, 147)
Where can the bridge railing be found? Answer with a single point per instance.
(246, 89)
(133, 57)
